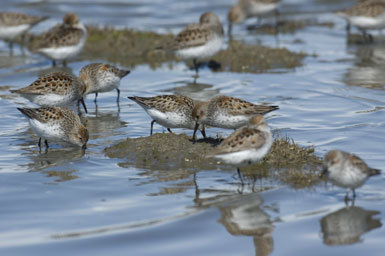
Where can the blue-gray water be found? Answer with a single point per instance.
(99, 206)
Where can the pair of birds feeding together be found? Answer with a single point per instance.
(54, 122)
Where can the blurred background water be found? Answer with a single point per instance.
(69, 203)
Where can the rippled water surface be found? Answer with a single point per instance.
(69, 203)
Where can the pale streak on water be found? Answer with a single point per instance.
(106, 208)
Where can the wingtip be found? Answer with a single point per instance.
(375, 172)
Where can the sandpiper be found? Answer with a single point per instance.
(63, 41)
(55, 89)
(14, 24)
(57, 124)
(199, 41)
(170, 111)
(346, 170)
(101, 77)
(365, 15)
(227, 112)
(246, 145)
(244, 9)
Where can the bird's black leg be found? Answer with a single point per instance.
(195, 67)
(195, 132)
(203, 133)
(96, 96)
(11, 48)
(117, 99)
(152, 125)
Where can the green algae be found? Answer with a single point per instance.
(174, 157)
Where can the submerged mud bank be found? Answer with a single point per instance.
(179, 156)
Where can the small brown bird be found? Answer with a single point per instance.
(346, 170)
(170, 111)
(57, 124)
(14, 24)
(100, 77)
(55, 89)
(227, 112)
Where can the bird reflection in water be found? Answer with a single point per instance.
(346, 225)
(243, 215)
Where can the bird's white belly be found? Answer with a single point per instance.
(49, 100)
(228, 121)
(249, 156)
(10, 32)
(368, 22)
(107, 83)
(62, 52)
(348, 178)
(171, 119)
(259, 9)
(49, 131)
(201, 52)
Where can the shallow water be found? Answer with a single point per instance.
(66, 202)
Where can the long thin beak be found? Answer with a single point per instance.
(195, 131)
(84, 105)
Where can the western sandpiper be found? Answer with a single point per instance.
(170, 111)
(227, 112)
(346, 170)
(55, 89)
(244, 9)
(14, 24)
(199, 41)
(63, 41)
(101, 77)
(57, 124)
(365, 15)
(246, 145)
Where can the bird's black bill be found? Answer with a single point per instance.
(84, 105)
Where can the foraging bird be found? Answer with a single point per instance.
(14, 24)
(346, 170)
(55, 89)
(100, 77)
(170, 111)
(227, 112)
(63, 41)
(57, 124)
(246, 145)
(244, 9)
(199, 41)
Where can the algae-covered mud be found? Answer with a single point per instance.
(176, 153)
(131, 48)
